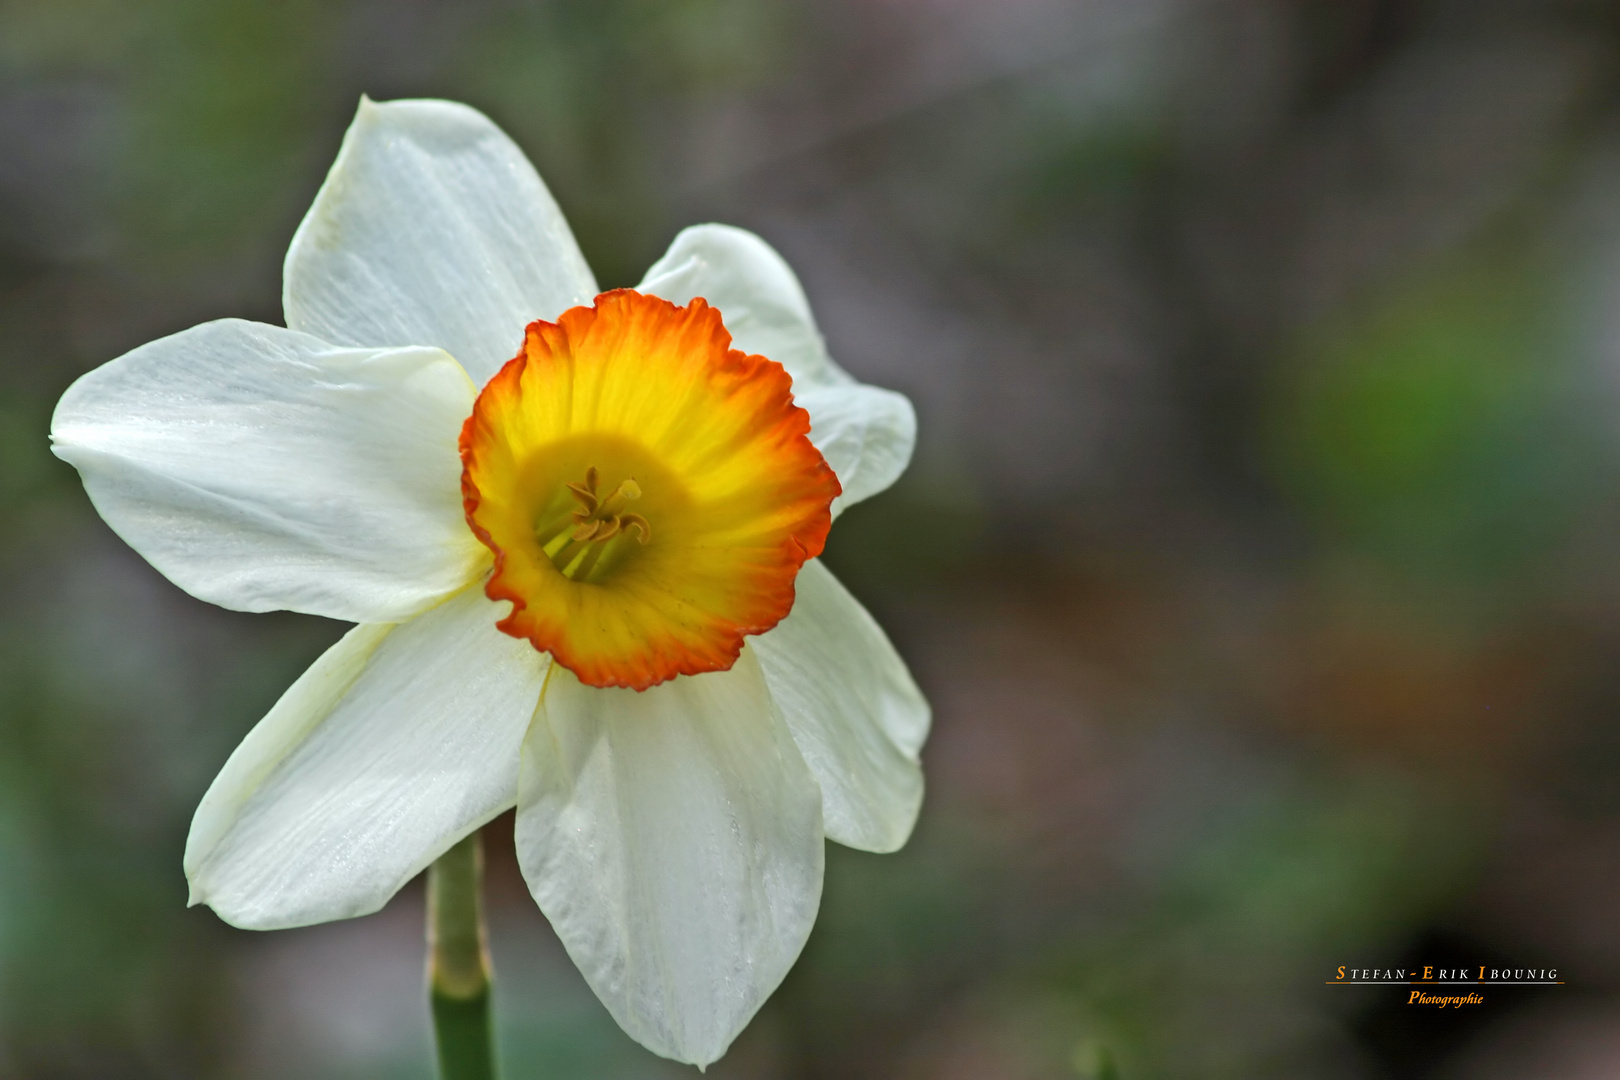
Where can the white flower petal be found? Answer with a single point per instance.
(432, 229)
(395, 744)
(259, 468)
(866, 434)
(673, 838)
(756, 293)
(853, 709)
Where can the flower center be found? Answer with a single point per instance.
(589, 542)
(648, 492)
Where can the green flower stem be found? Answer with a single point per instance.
(458, 964)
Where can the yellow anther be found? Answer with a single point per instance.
(639, 523)
(587, 498)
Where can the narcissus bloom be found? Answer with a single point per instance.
(578, 535)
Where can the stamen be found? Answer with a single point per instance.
(593, 555)
(571, 568)
(639, 523)
(587, 497)
(578, 544)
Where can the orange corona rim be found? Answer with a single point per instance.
(649, 492)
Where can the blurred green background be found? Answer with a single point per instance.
(1261, 555)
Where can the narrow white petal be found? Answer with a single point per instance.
(853, 709)
(866, 434)
(432, 229)
(673, 838)
(259, 468)
(391, 747)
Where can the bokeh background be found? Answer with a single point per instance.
(1261, 554)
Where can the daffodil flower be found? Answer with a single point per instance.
(577, 533)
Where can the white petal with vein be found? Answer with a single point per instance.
(432, 229)
(853, 708)
(394, 745)
(673, 838)
(259, 468)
